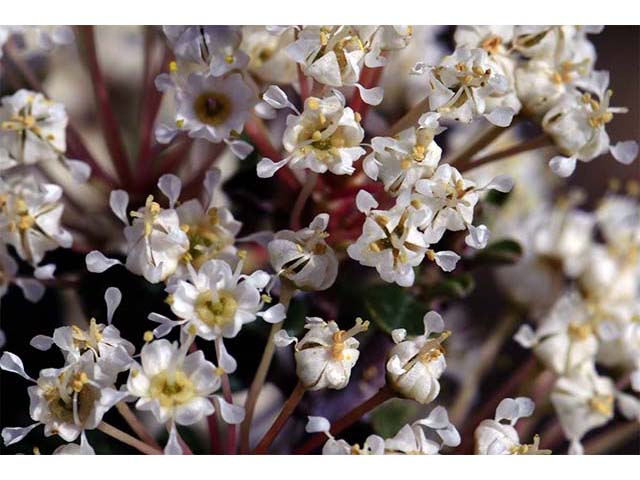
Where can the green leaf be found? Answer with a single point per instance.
(389, 418)
(502, 252)
(452, 287)
(391, 307)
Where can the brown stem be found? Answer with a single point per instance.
(118, 434)
(136, 425)
(107, 118)
(286, 293)
(481, 142)
(384, 394)
(612, 438)
(409, 118)
(488, 409)
(301, 200)
(287, 409)
(533, 144)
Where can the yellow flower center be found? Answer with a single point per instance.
(216, 313)
(212, 108)
(171, 392)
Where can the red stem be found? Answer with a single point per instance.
(106, 116)
(287, 410)
(369, 78)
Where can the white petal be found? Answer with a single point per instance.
(85, 448)
(12, 363)
(45, 272)
(317, 424)
(276, 97)
(501, 183)
(478, 236)
(575, 448)
(437, 419)
(501, 116)
(267, 168)
(165, 133)
(240, 148)
(526, 406)
(394, 365)
(265, 111)
(229, 412)
(629, 406)
(635, 380)
(624, 152)
(32, 289)
(11, 435)
(275, 314)
(281, 339)
(507, 410)
(525, 336)
(562, 166)
(98, 263)
(119, 202)
(171, 186)
(447, 260)
(371, 96)
(112, 297)
(365, 201)
(450, 436)
(41, 342)
(173, 445)
(80, 171)
(398, 335)
(227, 362)
(433, 323)
(211, 180)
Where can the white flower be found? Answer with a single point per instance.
(303, 257)
(32, 128)
(268, 58)
(155, 242)
(112, 354)
(177, 387)
(413, 440)
(335, 55)
(65, 400)
(467, 84)
(325, 137)
(577, 127)
(547, 41)
(326, 354)
(214, 46)
(373, 445)
(583, 400)
(566, 337)
(212, 108)
(399, 162)
(493, 437)
(30, 217)
(217, 301)
(415, 365)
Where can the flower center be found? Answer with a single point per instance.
(60, 403)
(171, 392)
(216, 312)
(212, 108)
(602, 404)
(580, 332)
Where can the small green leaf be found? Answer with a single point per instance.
(452, 287)
(502, 252)
(389, 418)
(391, 307)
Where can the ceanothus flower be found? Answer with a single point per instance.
(31, 287)
(32, 130)
(30, 217)
(326, 354)
(415, 365)
(566, 338)
(449, 200)
(216, 47)
(326, 136)
(178, 388)
(467, 85)
(493, 437)
(373, 445)
(268, 59)
(303, 257)
(583, 400)
(400, 161)
(67, 400)
(335, 56)
(577, 127)
(418, 439)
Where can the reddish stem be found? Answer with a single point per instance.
(384, 394)
(287, 410)
(369, 78)
(106, 116)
